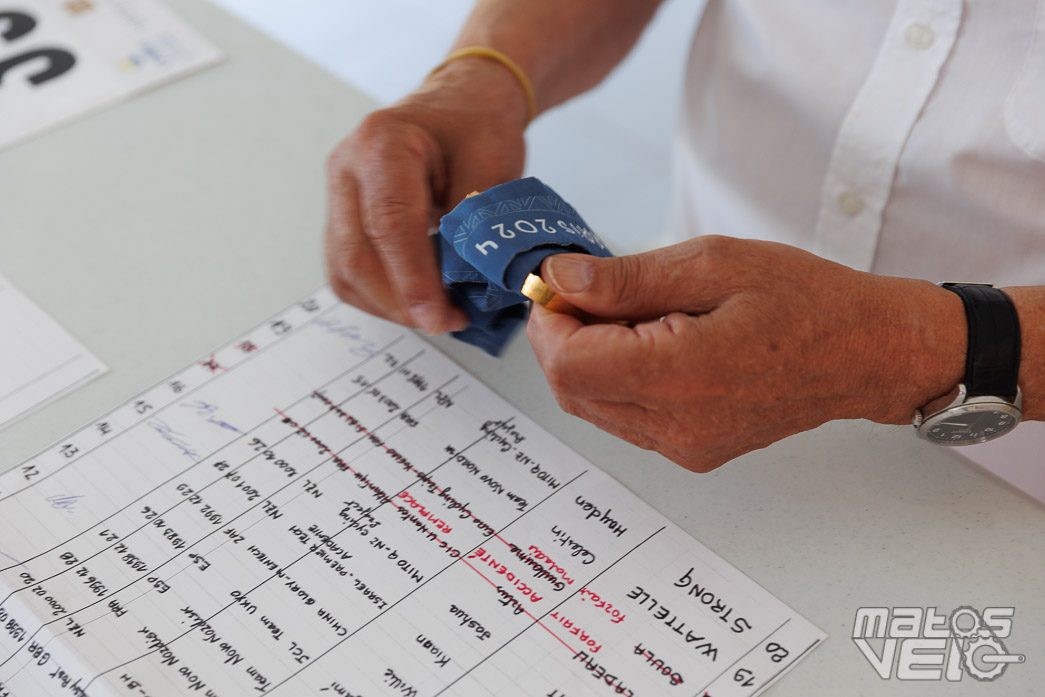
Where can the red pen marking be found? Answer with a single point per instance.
(212, 364)
(344, 465)
(525, 611)
(418, 473)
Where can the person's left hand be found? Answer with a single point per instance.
(758, 341)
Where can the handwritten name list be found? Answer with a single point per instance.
(328, 505)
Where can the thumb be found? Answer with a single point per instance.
(636, 287)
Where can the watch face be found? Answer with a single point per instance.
(970, 423)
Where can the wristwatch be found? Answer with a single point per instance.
(989, 401)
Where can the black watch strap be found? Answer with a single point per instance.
(992, 361)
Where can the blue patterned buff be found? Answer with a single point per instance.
(490, 242)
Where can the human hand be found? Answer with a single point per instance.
(758, 341)
(400, 171)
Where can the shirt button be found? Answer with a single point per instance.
(851, 203)
(919, 36)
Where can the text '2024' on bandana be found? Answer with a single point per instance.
(491, 241)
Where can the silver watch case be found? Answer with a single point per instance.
(1006, 413)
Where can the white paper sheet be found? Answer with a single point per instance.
(62, 58)
(39, 361)
(329, 505)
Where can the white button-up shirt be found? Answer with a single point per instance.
(905, 138)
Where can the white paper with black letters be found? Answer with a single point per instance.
(60, 59)
(329, 505)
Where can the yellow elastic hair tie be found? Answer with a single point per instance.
(494, 54)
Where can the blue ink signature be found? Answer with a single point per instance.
(364, 347)
(5, 554)
(173, 437)
(63, 502)
(210, 411)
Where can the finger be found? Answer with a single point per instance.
(353, 267)
(679, 278)
(582, 361)
(617, 363)
(548, 331)
(725, 451)
(642, 427)
(395, 201)
(615, 426)
(693, 448)
(353, 297)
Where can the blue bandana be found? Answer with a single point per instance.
(490, 242)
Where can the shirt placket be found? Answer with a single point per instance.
(871, 139)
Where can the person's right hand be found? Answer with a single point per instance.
(401, 170)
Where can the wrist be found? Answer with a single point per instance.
(919, 354)
(484, 87)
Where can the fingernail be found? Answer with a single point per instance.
(569, 274)
(428, 317)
